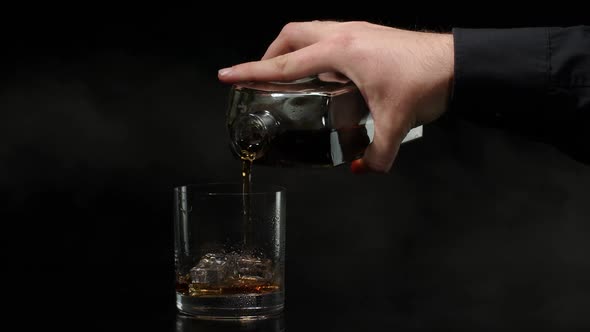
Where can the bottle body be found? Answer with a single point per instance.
(316, 122)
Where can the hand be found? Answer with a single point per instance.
(405, 76)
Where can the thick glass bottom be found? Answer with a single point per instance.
(231, 307)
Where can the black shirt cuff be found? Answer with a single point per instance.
(500, 73)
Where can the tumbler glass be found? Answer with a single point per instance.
(229, 250)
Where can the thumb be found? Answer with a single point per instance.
(380, 155)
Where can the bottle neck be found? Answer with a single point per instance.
(252, 133)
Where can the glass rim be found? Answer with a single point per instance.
(230, 188)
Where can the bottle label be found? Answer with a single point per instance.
(367, 121)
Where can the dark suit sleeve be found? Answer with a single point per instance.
(531, 81)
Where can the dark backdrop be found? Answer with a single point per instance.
(105, 109)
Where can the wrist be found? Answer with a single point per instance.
(440, 75)
(449, 65)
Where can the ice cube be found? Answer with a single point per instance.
(218, 270)
(212, 270)
(252, 269)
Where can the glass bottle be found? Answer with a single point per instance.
(317, 121)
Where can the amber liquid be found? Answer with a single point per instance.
(314, 148)
(203, 290)
(246, 190)
(247, 156)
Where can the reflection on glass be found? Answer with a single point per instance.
(188, 323)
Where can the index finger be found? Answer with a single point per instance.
(310, 60)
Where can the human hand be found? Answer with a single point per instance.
(404, 76)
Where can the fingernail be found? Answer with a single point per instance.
(358, 167)
(225, 71)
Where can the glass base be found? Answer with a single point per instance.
(231, 307)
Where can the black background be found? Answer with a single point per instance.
(105, 109)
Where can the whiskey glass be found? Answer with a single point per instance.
(229, 250)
